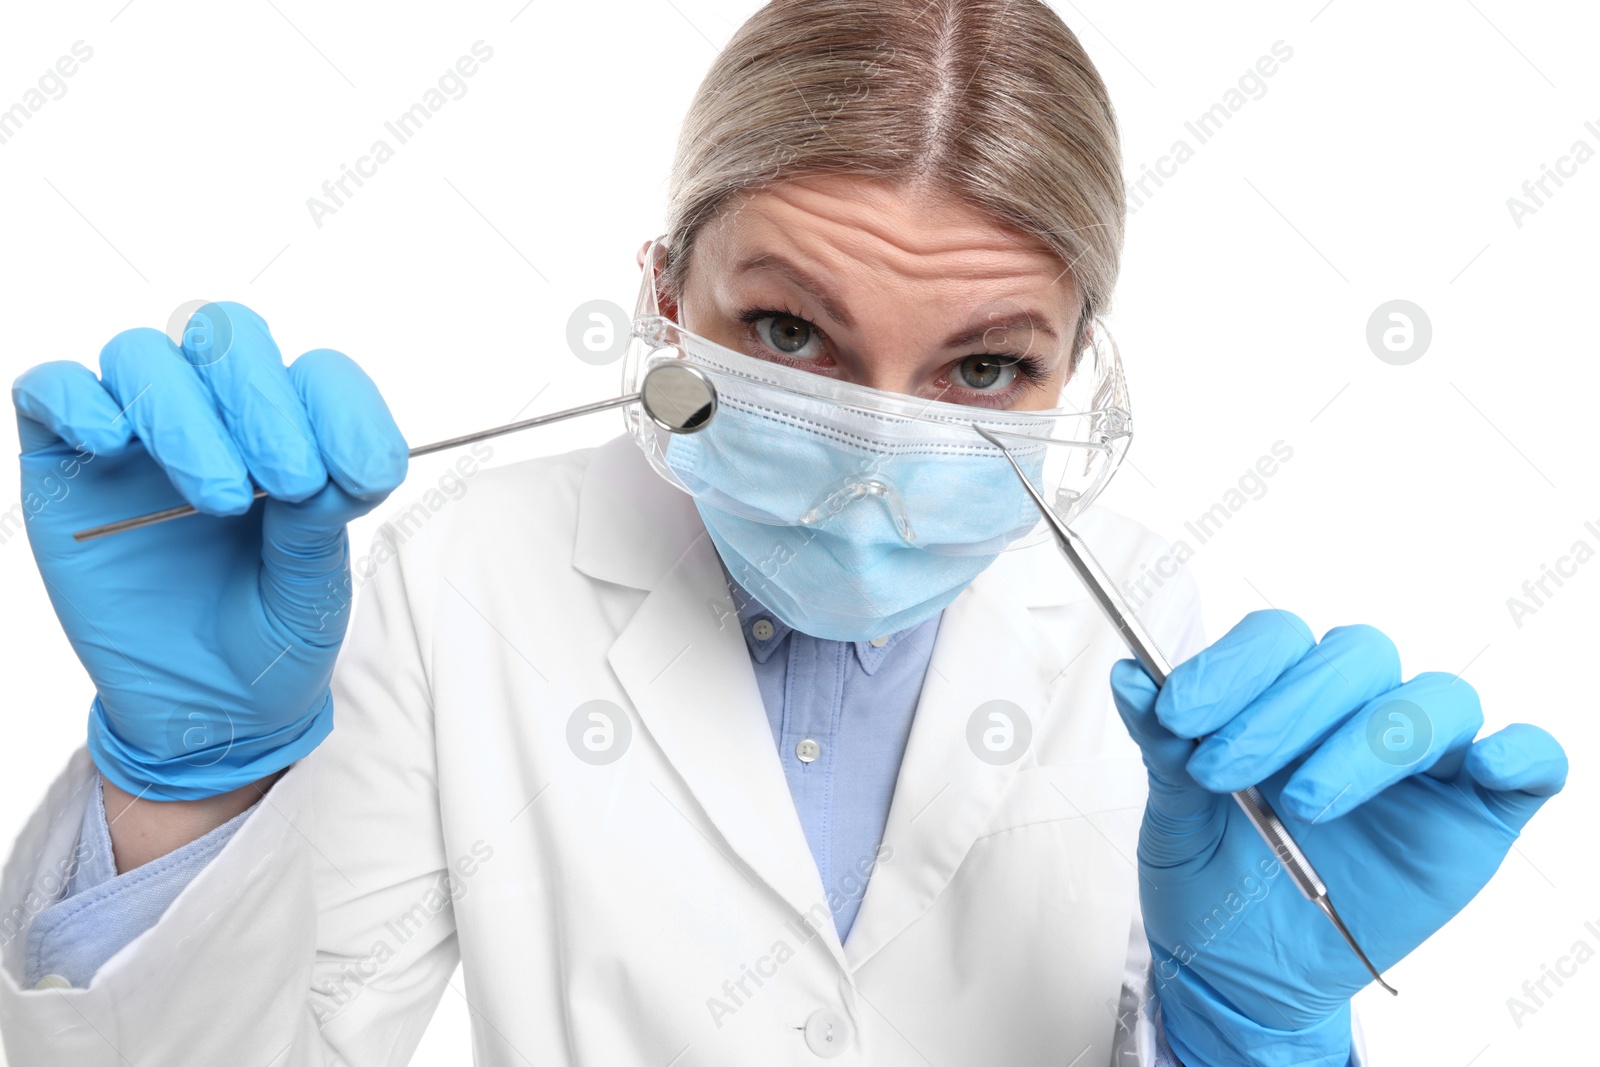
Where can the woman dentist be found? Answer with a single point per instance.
(782, 741)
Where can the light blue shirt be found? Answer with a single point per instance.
(100, 910)
(840, 714)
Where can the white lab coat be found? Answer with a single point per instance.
(603, 911)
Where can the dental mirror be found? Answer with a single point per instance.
(677, 397)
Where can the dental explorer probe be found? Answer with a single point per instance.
(1121, 615)
(678, 398)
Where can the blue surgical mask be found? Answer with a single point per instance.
(858, 542)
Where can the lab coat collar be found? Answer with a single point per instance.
(683, 661)
(632, 525)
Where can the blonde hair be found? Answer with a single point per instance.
(994, 101)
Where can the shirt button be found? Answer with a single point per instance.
(52, 981)
(827, 1033)
(879, 642)
(762, 628)
(807, 750)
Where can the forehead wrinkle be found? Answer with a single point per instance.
(833, 303)
(850, 261)
(845, 238)
(962, 244)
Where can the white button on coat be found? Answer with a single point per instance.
(827, 1033)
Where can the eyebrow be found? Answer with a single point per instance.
(770, 261)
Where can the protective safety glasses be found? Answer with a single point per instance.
(789, 447)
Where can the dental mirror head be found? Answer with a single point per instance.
(678, 398)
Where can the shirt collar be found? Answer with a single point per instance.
(755, 619)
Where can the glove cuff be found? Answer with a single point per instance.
(1205, 1030)
(206, 769)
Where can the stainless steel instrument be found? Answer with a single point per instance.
(676, 396)
(1144, 649)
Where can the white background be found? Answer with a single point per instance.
(1376, 166)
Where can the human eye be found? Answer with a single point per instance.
(997, 377)
(786, 335)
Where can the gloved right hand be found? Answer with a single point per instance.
(1404, 810)
(210, 639)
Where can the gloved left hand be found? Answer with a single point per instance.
(210, 640)
(1404, 815)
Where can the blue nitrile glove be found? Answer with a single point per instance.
(210, 639)
(1402, 813)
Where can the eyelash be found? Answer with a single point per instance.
(1031, 370)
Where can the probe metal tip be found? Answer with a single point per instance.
(1327, 909)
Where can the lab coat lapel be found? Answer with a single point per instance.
(987, 649)
(683, 662)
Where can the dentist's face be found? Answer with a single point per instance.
(886, 286)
